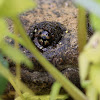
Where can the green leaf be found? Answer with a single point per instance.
(95, 21)
(28, 96)
(98, 1)
(90, 5)
(16, 83)
(92, 93)
(90, 54)
(95, 76)
(15, 54)
(55, 90)
(14, 7)
(94, 7)
(1, 2)
(18, 39)
(82, 31)
(92, 49)
(83, 66)
(3, 29)
(3, 81)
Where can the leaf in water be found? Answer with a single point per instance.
(14, 7)
(3, 29)
(15, 54)
(3, 81)
(95, 76)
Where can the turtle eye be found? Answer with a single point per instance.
(46, 34)
(44, 38)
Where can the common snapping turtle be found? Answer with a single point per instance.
(52, 27)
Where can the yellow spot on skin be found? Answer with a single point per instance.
(41, 47)
(66, 31)
(60, 43)
(35, 30)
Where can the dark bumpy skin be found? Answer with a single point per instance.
(59, 51)
(41, 82)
